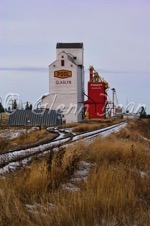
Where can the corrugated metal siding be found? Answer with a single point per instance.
(35, 118)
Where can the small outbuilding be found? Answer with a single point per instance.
(38, 117)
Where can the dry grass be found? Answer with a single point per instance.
(69, 125)
(31, 137)
(4, 144)
(90, 125)
(142, 126)
(25, 139)
(117, 191)
(94, 125)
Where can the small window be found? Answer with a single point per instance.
(62, 56)
(62, 63)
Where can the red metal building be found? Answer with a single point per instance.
(95, 105)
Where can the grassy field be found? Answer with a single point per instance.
(87, 125)
(115, 193)
(25, 139)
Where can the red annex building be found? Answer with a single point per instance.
(95, 105)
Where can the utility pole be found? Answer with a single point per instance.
(1, 112)
(113, 101)
(26, 117)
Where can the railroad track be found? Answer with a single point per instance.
(14, 159)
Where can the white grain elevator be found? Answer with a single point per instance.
(66, 82)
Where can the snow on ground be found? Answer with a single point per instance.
(83, 168)
(144, 138)
(14, 165)
(70, 187)
(62, 133)
(80, 174)
(106, 133)
(36, 208)
(92, 134)
(12, 156)
(69, 130)
(11, 134)
(82, 171)
(14, 133)
(143, 174)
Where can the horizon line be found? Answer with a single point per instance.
(86, 69)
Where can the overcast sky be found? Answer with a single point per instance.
(115, 33)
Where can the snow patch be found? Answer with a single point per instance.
(38, 208)
(83, 170)
(11, 134)
(14, 133)
(143, 174)
(144, 138)
(101, 132)
(70, 187)
(14, 165)
(79, 175)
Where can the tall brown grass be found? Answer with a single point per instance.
(25, 139)
(94, 125)
(90, 125)
(117, 190)
(142, 126)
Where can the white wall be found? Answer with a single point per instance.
(67, 93)
(79, 53)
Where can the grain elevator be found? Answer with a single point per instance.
(95, 105)
(66, 82)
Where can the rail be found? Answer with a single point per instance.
(22, 157)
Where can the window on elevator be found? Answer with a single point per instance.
(62, 63)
